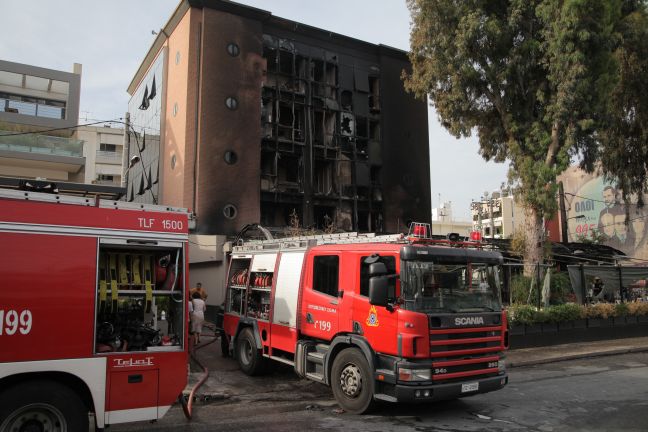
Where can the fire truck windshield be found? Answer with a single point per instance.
(446, 288)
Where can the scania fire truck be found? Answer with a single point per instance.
(93, 311)
(393, 318)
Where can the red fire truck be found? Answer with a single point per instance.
(93, 311)
(389, 318)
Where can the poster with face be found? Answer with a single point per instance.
(595, 209)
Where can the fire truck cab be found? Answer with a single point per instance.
(93, 311)
(392, 318)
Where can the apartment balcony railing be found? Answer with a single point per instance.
(41, 144)
(32, 109)
(109, 157)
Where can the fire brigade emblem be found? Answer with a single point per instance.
(372, 319)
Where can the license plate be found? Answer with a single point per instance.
(469, 387)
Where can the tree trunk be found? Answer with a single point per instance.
(534, 241)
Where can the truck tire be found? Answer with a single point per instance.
(248, 356)
(352, 382)
(42, 405)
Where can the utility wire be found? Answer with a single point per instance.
(62, 128)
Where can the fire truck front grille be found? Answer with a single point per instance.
(461, 353)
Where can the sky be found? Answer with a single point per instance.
(111, 38)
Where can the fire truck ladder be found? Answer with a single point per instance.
(85, 201)
(301, 242)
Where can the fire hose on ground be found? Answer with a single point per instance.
(187, 405)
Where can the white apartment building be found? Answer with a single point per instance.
(443, 223)
(103, 148)
(497, 216)
(39, 109)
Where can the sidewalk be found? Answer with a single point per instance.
(225, 380)
(549, 354)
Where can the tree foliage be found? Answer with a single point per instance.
(542, 83)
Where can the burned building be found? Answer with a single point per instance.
(263, 120)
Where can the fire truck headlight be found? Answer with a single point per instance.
(406, 374)
(501, 365)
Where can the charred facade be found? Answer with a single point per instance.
(281, 122)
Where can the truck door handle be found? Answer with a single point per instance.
(333, 302)
(309, 318)
(134, 379)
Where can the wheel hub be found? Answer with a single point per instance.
(351, 381)
(35, 418)
(247, 351)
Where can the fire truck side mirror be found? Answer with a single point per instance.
(378, 290)
(377, 269)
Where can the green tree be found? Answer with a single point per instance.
(541, 83)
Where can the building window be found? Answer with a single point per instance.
(231, 103)
(32, 106)
(230, 157)
(175, 109)
(177, 59)
(108, 147)
(233, 49)
(173, 161)
(105, 178)
(325, 274)
(230, 211)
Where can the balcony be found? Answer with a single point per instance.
(41, 144)
(32, 108)
(109, 157)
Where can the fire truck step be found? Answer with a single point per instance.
(315, 376)
(282, 360)
(316, 357)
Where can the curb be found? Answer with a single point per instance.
(591, 354)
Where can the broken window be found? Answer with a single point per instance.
(329, 128)
(272, 59)
(267, 117)
(286, 62)
(268, 170)
(324, 217)
(324, 177)
(345, 177)
(347, 124)
(364, 224)
(285, 121)
(317, 70)
(288, 167)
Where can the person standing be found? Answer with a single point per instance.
(198, 307)
(200, 290)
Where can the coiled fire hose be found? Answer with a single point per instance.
(187, 405)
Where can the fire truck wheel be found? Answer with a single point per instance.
(42, 405)
(352, 381)
(249, 357)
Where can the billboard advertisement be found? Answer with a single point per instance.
(596, 211)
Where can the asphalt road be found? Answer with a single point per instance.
(601, 394)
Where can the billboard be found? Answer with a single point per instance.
(596, 210)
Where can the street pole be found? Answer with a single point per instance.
(492, 222)
(126, 153)
(563, 213)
